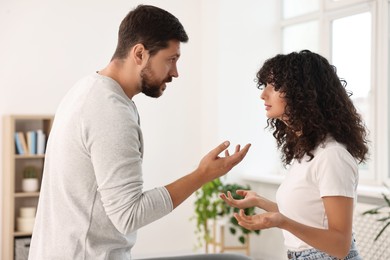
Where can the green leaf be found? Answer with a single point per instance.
(373, 211)
(382, 230)
(386, 199)
(245, 231)
(234, 221)
(384, 219)
(378, 211)
(208, 206)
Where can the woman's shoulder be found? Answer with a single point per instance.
(331, 147)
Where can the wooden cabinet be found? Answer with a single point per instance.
(14, 198)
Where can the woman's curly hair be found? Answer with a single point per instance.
(317, 105)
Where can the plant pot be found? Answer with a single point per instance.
(30, 185)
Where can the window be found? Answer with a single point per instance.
(345, 49)
(299, 7)
(352, 34)
(301, 36)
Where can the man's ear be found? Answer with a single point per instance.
(139, 53)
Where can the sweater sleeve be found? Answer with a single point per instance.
(113, 139)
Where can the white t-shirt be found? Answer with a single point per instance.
(332, 172)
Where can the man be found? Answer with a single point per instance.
(91, 201)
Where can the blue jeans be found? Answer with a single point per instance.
(203, 257)
(314, 254)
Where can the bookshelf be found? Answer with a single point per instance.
(14, 198)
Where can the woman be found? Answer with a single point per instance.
(322, 138)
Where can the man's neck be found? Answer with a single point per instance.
(121, 73)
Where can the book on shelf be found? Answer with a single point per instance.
(18, 143)
(33, 142)
(41, 142)
(21, 143)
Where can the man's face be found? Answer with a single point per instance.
(160, 69)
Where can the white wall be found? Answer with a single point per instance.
(247, 35)
(46, 45)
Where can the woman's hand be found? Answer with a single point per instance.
(259, 221)
(250, 199)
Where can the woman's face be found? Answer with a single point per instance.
(274, 102)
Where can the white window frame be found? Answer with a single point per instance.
(379, 9)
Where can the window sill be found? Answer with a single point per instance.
(275, 179)
(372, 193)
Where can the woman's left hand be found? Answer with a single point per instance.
(259, 221)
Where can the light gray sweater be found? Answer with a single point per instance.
(91, 202)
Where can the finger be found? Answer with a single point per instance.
(245, 149)
(242, 221)
(227, 153)
(237, 216)
(246, 225)
(238, 148)
(219, 149)
(244, 218)
(231, 199)
(238, 156)
(230, 195)
(227, 200)
(223, 196)
(241, 192)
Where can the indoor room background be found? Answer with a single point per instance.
(47, 45)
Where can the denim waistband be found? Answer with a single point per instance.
(314, 254)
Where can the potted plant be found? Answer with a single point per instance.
(30, 181)
(384, 212)
(209, 207)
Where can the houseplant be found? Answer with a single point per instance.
(209, 207)
(383, 211)
(30, 179)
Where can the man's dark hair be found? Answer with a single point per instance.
(151, 26)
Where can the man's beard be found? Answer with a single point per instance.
(149, 86)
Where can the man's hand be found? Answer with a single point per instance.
(212, 166)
